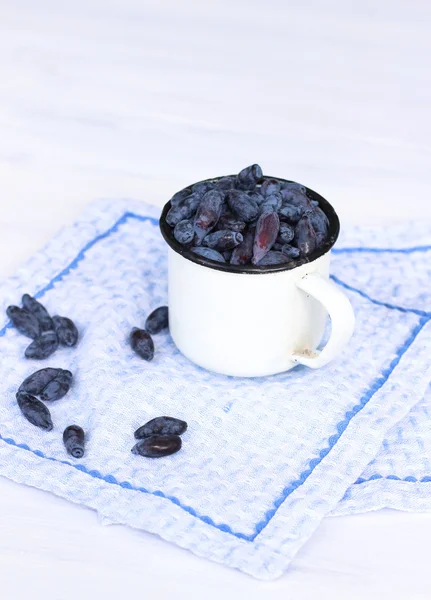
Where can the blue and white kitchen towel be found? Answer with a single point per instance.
(400, 475)
(263, 460)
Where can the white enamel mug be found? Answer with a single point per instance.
(251, 321)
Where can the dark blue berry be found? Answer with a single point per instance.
(277, 246)
(267, 229)
(180, 196)
(208, 253)
(57, 387)
(74, 441)
(292, 186)
(203, 187)
(184, 210)
(34, 411)
(157, 446)
(184, 232)
(286, 233)
(161, 426)
(223, 240)
(241, 255)
(208, 214)
(24, 321)
(43, 346)
(273, 258)
(320, 224)
(229, 221)
(157, 320)
(36, 382)
(269, 187)
(296, 197)
(227, 255)
(39, 311)
(242, 205)
(272, 202)
(257, 197)
(249, 177)
(291, 213)
(178, 213)
(305, 236)
(66, 331)
(225, 183)
(142, 343)
(290, 251)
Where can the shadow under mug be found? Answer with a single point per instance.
(252, 321)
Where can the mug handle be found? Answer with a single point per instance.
(342, 319)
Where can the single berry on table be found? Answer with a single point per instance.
(34, 411)
(24, 321)
(66, 331)
(39, 311)
(161, 426)
(74, 441)
(43, 346)
(57, 387)
(142, 343)
(157, 320)
(157, 446)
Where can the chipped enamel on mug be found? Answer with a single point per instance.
(251, 321)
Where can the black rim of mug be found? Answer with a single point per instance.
(333, 232)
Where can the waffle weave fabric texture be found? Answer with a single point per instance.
(400, 475)
(264, 459)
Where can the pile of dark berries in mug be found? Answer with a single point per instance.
(157, 438)
(248, 219)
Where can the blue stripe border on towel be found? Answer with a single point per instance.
(379, 382)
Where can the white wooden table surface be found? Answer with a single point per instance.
(135, 98)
